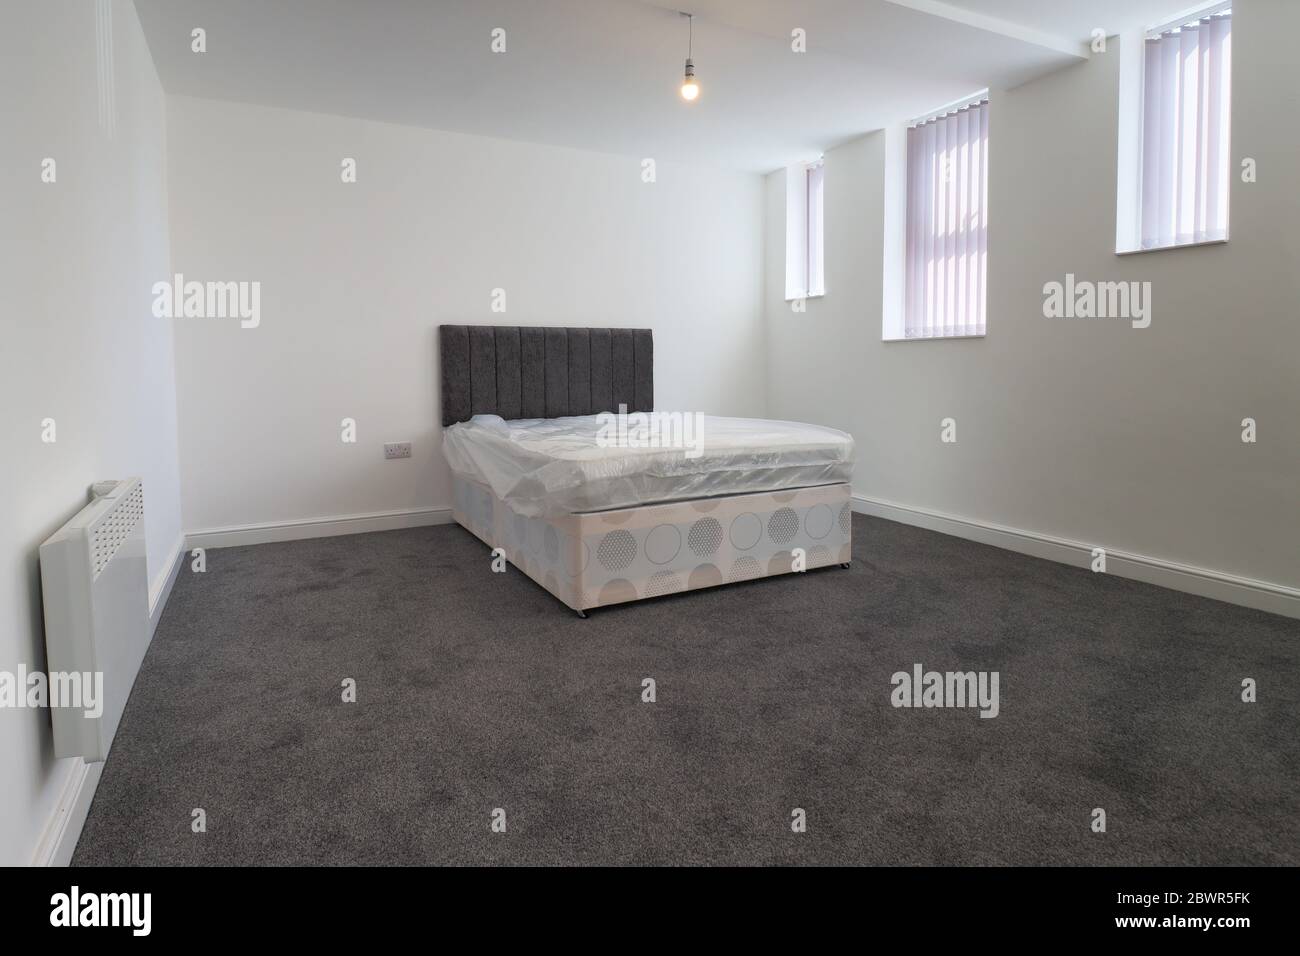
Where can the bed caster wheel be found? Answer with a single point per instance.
(844, 564)
(582, 614)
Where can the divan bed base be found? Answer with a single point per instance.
(611, 557)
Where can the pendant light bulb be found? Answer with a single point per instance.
(690, 86)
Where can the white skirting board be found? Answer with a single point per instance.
(161, 589)
(1205, 582)
(326, 527)
(63, 829)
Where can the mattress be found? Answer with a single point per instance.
(575, 465)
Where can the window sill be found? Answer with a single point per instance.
(1179, 245)
(933, 338)
(813, 295)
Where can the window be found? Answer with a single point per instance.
(1185, 154)
(947, 224)
(805, 273)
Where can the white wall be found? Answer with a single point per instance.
(1088, 430)
(357, 277)
(80, 343)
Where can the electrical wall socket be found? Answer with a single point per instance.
(397, 449)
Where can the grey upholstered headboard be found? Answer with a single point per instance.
(527, 372)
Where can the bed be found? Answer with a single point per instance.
(541, 471)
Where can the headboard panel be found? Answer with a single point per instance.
(531, 372)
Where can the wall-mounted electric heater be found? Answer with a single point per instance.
(94, 583)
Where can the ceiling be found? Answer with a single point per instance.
(603, 74)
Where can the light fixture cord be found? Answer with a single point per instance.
(690, 41)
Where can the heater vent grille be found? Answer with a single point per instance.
(115, 527)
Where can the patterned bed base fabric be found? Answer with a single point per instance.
(609, 557)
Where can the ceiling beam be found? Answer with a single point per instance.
(936, 8)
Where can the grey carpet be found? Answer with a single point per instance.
(479, 691)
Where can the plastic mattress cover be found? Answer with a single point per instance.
(553, 466)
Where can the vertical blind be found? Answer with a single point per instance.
(816, 265)
(1185, 133)
(947, 224)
